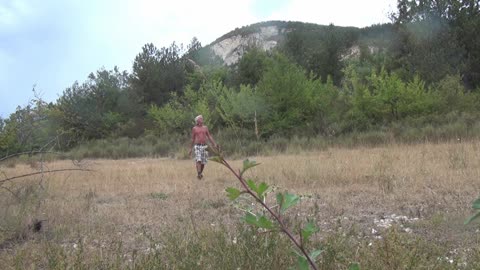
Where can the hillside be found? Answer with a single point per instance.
(413, 80)
(283, 34)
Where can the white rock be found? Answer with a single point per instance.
(232, 49)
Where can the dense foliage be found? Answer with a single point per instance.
(422, 70)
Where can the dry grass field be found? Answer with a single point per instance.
(397, 207)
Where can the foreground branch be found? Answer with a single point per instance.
(37, 173)
(28, 153)
(276, 216)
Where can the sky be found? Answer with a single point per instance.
(50, 44)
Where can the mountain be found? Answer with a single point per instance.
(298, 37)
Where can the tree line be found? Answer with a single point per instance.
(421, 69)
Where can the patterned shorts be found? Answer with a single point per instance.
(201, 153)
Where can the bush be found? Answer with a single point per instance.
(278, 144)
(237, 142)
(148, 146)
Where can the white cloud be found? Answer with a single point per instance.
(341, 13)
(118, 29)
(183, 19)
(13, 13)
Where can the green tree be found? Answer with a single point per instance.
(93, 109)
(157, 73)
(454, 97)
(384, 98)
(436, 38)
(242, 109)
(8, 142)
(427, 48)
(251, 67)
(364, 109)
(295, 48)
(319, 49)
(326, 60)
(173, 117)
(192, 58)
(328, 106)
(465, 20)
(285, 90)
(28, 128)
(177, 115)
(2, 124)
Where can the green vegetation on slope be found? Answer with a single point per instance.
(413, 79)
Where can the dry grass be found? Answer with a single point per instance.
(132, 201)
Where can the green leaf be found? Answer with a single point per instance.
(298, 253)
(247, 164)
(261, 189)
(476, 204)
(308, 230)
(354, 266)
(251, 219)
(216, 159)
(302, 263)
(262, 222)
(251, 184)
(314, 254)
(233, 193)
(472, 218)
(288, 201)
(265, 223)
(280, 199)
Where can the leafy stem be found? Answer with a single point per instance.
(476, 206)
(284, 200)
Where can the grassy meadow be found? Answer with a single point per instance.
(387, 207)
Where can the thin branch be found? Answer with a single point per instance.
(28, 153)
(82, 163)
(9, 190)
(300, 236)
(32, 152)
(37, 173)
(51, 141)
(278, 218)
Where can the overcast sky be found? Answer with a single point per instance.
(52, 43)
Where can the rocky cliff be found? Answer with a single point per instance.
(231, 48)
(267, 35)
